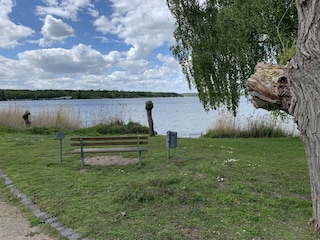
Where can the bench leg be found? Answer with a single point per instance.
(82, 160)
(139, 158)
(81, 151)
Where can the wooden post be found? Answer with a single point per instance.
(149, 106)
(26, 118)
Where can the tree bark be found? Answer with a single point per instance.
(149, 107)
(25, 117)
(269, 88)
(302, 94)
(304, 72)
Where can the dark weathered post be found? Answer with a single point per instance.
(149, 106)
(25, 117)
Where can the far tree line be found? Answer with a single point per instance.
(6, 94)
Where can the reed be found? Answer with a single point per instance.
(106, 116)
(62, 117)
(11, 116)
(226, 125)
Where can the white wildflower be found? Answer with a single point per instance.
(232, 160)
(220, 179)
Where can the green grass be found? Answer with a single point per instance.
(209, 189)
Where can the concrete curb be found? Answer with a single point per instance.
(47, 218)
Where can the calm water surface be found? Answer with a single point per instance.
(184, 115)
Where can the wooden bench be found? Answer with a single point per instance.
(109, 144)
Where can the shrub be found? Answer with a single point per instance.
(118, 127)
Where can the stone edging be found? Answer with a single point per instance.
(47, 218)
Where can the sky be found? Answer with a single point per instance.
(88, 45)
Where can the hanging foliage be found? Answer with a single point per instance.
(219, 42)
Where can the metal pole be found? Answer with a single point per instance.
(60, 150)
(60, 136)
(169, 144)
(81, 148)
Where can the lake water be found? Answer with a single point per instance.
(184, 115)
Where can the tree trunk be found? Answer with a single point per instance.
(301, 80)
(149, 107)
(25, 117)
(269, 88)
(304, 72)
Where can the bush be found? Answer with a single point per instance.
(112, 128)
(118, 127)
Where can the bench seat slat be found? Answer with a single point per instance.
(108, 138)
(123, 143)
(106, 150)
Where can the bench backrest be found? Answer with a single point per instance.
(109, 141)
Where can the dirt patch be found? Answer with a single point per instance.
(15, 226)
(110, 160)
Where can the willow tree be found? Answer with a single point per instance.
(219, 42)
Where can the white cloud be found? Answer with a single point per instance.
(93, 12)
(77, 60)
(104, 25)
(102, 39)
(67, 9)
(11, 33)
(85, 68)
(145, 25)
(13, 73)
(55, 30)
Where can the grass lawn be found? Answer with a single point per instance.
(242, 188)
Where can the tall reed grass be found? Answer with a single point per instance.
(226, 125)
(62, 117)
(106, 117)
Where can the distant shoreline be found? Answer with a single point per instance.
(20, 95)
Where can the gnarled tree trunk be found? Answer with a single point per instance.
(269, 88)
(295, 88)
(149, 107)
(25, 117)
